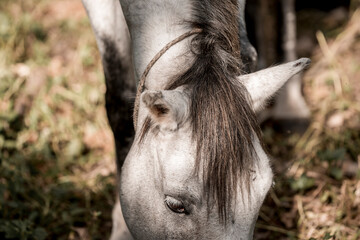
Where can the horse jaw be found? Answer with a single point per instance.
(264, 84)
(168, 109)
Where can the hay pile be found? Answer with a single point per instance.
(317, 194)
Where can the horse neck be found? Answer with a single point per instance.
(152, 25)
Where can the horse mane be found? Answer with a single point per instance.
(223, 122)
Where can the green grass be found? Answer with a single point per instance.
(47, 150)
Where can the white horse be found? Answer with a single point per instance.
(197, 168)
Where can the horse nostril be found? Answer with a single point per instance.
(297, 64)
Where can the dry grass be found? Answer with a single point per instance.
(56, 149)
(317, 193)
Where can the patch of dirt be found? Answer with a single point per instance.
(63, 10)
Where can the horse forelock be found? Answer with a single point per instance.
(223, 122)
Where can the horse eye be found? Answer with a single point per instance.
(175, 205)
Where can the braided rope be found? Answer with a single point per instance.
(141, 86)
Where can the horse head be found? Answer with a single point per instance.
(165, 195)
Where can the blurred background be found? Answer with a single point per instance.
(57, 168)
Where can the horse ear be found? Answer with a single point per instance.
(168, 108)
(264, 84)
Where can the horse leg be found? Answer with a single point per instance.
(290, 107)
(248, 52)
(113, 41)
(119, 232)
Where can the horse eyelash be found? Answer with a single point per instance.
(170, 201)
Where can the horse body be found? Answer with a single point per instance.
(162, 192)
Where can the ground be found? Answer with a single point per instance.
(57, 172)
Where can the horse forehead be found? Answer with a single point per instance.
(177, 156)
